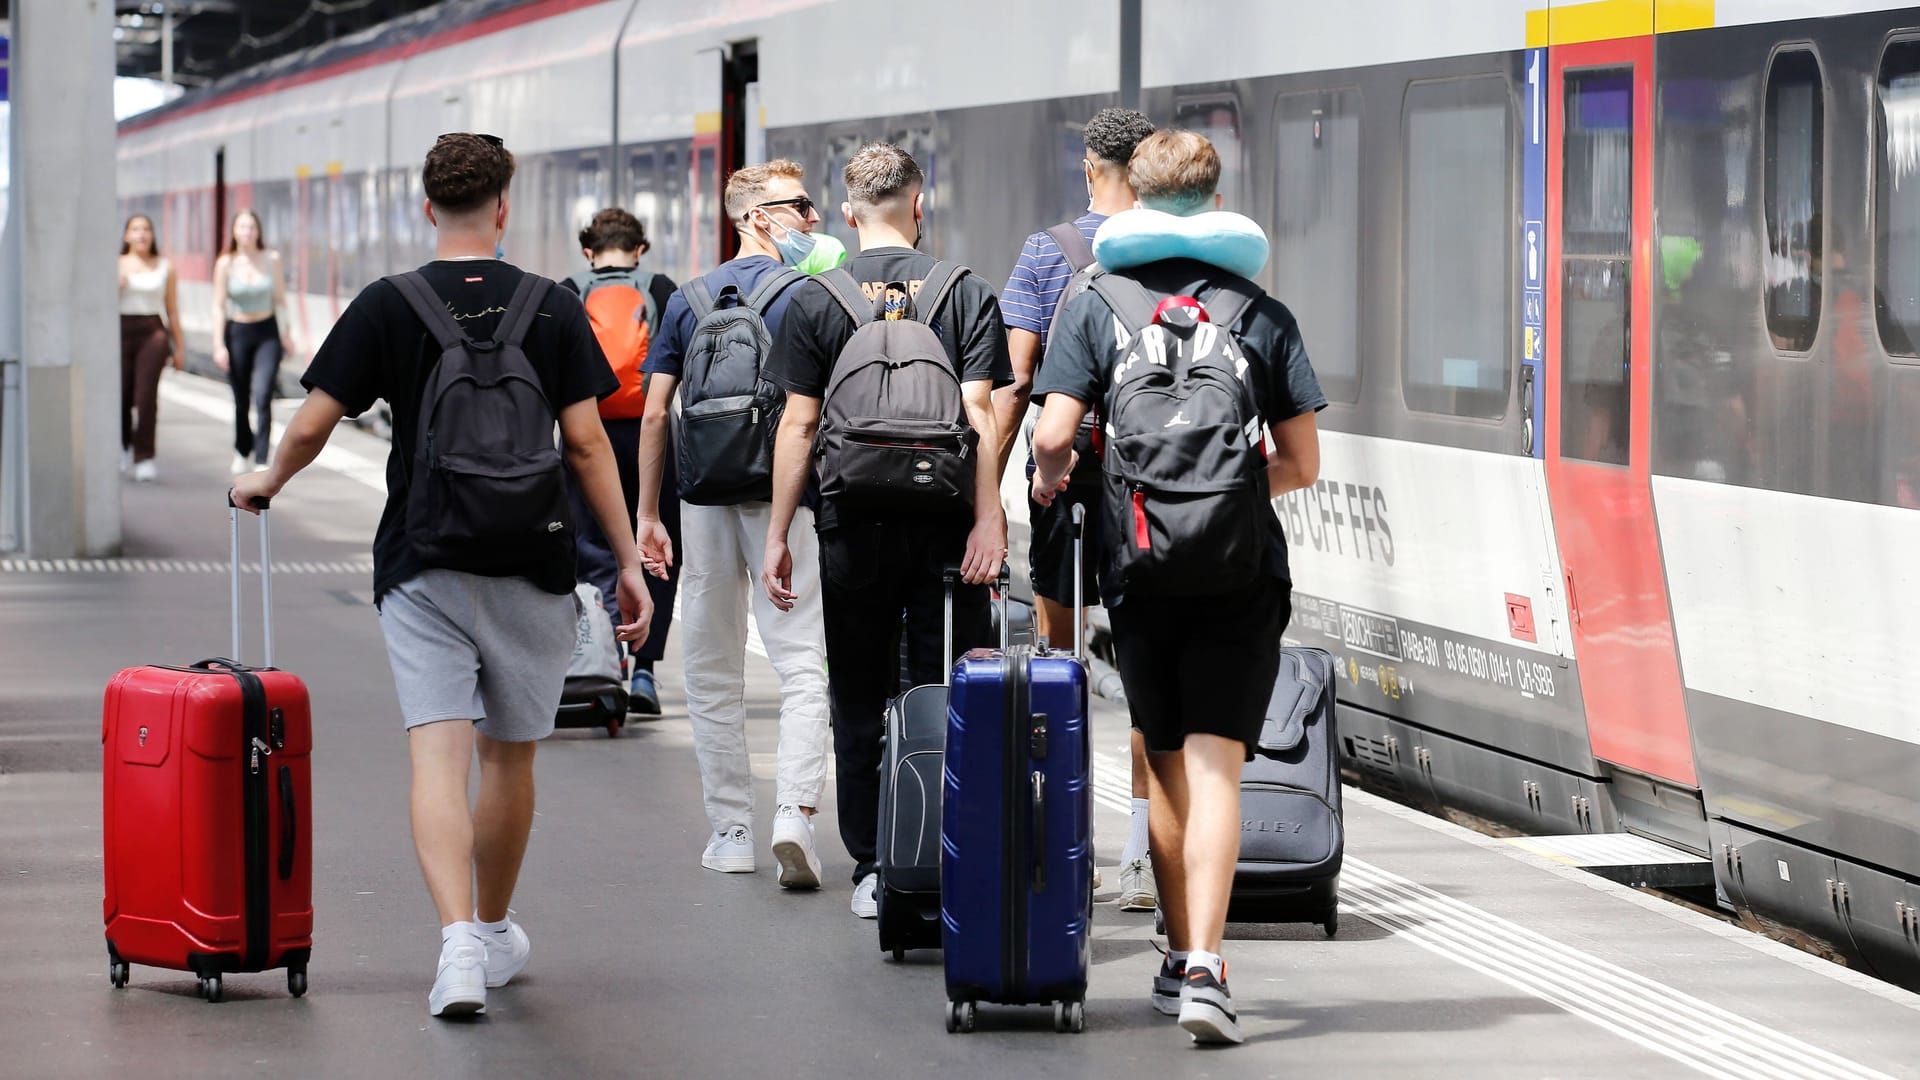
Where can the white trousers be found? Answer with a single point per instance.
(723, 549)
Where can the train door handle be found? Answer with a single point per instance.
(1573, 599)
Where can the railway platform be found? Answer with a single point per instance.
(1457, 954)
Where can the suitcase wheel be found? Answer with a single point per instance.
(613, 727)
(1331, 924)
(210, 988)
(297, 982)
(1159, 920)
(1069, 1017)
(899, 956)
(961, 1015)
(118, 973)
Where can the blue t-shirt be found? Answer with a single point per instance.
(668, 352)
(1038, 279)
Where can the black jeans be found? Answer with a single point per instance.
(870, 574)
(253, 366)
(597, 565)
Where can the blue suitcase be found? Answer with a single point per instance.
(1016, 859)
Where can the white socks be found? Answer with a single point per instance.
(1136, 846)
(454, 935)
(1178, 957)
(1211, 961)
(499, 928)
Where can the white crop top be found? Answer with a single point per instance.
(145, 292)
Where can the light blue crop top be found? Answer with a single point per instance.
(248, 293)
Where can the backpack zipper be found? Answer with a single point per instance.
(1140, 518)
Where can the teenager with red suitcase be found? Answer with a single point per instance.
(209, 854)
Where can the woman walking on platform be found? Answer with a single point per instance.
(248, 292)
(147, 342)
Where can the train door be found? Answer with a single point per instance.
(1598, 273)
(742, 140)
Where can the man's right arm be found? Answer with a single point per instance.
(792, 457)
(1010, 401)
(656, 547)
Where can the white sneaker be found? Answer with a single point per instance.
(793, 849)
(145, 472)
(506, 954)
(1137, 890)
(460, 989)
(239, 465)
(865, 904)
(126, 460)
(730, 852)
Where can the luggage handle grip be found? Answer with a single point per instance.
(951, 576)
(1039, 780)
(1079, 582)
(266, 578)
(289, 830)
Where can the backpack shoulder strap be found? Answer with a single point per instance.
(527, 298)
(582, 282)
(699, 298)
(1228, 298)
(937, 284)
(1131, 301)
(842, 287)
(1074, 246)
(420, 296)
(770, 288)
(650, 308)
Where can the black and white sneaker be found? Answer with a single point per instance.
(1167, 985)
(1206, 1009)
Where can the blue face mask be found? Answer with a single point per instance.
(499, 252)
(794, 247)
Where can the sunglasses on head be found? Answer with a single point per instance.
(802, 205)
(494, 140)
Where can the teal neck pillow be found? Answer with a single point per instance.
(1219, 238)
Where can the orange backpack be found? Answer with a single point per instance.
(624, 317)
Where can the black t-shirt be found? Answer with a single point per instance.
(381, 349)
(1089, 340)
(815, 329)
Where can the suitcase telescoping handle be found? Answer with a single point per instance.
(1079, 581)
(266, 579)
(952, 578)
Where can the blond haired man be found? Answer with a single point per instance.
(876, 562)
(724, 523)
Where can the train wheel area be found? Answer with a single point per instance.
(1456, 954)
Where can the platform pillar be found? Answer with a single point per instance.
(58, 282)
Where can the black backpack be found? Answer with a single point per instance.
(1187, 508)
(893, 425)
(489, 486)
(728, 412)
(1079, 254)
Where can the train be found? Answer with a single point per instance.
(1617, 304)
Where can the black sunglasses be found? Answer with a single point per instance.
(801, 204)
(492, 139)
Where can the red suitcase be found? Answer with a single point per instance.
(209, 864)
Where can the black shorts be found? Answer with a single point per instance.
(1050, 557)
(1201, 665)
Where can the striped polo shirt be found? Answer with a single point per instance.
(1038, 279)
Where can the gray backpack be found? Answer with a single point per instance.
(1079, 255)
(893, 426)
(728, 412)
(488, 493)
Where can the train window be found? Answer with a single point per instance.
(1316, 231)
(1795, 152)
(1219, 120)
(1897, 200)
(1459, 283)
(1596, 238)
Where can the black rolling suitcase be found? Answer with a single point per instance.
(912, 762)
(1292, 838)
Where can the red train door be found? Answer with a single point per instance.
(1599, 397)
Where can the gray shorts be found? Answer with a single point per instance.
(489, 649)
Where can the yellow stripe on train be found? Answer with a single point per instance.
(1605, 20)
